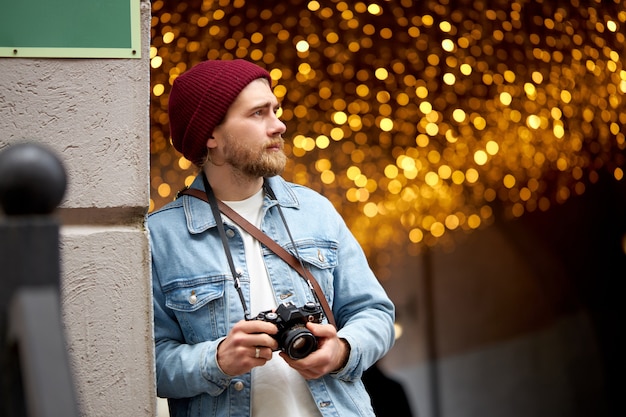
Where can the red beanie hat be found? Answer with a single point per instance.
(200, 98)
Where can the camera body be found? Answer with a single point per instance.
(293, 337)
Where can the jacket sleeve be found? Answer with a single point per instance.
(364, 313)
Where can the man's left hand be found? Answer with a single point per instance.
(331, 354)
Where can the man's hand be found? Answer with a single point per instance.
(248, 344)
(331, 355)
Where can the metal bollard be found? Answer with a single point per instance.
(36, 375)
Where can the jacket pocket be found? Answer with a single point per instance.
(320, 258)
(189, 296)
(320, 254)
(199, 308)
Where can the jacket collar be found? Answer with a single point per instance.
(200, 218)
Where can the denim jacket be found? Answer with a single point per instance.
(196, 303)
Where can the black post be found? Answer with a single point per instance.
(36, 376)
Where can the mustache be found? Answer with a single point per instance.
(280, 142)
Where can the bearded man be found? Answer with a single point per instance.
(221, 349)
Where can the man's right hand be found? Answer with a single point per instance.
(247, 345)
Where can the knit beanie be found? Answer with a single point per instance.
(200, 98)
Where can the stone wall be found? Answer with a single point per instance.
(94, 113)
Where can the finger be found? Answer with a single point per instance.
(262, 339)
(322, 330)
(256, 326)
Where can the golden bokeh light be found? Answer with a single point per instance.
(416, 118)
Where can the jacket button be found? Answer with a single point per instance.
(193, 298)
(238, 385)
(230, 233)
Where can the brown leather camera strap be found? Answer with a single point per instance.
(271, 244)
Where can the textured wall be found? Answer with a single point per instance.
(95, 114)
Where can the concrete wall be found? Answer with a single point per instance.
(95, 114)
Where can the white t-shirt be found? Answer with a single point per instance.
(277, 389)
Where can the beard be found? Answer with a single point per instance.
(254, 162)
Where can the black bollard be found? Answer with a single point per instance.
(36, 376)
(32, 180)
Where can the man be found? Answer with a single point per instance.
(207, 272)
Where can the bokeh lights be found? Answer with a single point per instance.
(420, 120)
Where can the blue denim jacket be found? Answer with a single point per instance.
(188, 259)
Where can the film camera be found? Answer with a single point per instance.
(293, 337)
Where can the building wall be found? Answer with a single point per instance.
(94, 113)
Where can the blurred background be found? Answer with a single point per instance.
(476, 151)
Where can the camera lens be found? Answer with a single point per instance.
(299, 342)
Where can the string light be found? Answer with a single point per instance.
(416, 118)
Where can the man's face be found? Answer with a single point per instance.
(250, 137)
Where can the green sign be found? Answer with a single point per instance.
(70, 28)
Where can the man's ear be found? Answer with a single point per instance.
(211, 142)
